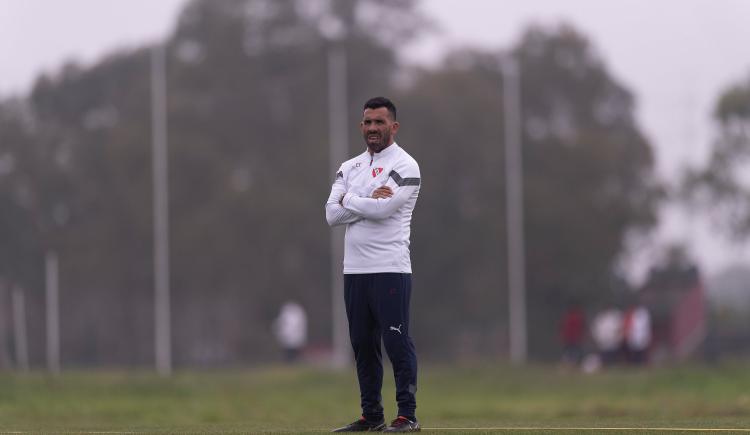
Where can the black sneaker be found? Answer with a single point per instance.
(363, 425)
(403, 424)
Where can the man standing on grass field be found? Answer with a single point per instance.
(374, 195)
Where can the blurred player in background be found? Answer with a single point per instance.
(291, 330)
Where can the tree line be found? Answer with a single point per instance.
(249, 173)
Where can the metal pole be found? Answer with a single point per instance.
(19, 329)
(5, 359)
(338, 122)
(53, 312)
(162, 339)
(514, 209)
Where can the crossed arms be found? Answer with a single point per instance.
(345, 207)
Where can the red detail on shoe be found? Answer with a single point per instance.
(400, 421)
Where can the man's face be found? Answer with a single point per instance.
(378, 128)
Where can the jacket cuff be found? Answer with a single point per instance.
(347, 197)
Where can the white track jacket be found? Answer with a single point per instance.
(377, 230)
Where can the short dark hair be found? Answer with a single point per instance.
(378, 102)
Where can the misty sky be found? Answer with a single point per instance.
(675, 55)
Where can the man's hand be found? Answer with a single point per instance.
(382, 192)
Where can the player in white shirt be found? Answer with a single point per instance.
(374, 195)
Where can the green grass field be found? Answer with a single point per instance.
(310, 400)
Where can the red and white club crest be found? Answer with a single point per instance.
(376, 171)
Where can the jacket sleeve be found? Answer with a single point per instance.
(404, 187)
(335, 213)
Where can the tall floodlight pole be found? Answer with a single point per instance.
(514, 209)
(53, 312)
(162, 330)
(20, 337)
(338, 136)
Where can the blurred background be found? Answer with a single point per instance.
(163, 170)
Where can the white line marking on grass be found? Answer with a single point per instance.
(662, 429)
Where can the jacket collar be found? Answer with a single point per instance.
(388, 151)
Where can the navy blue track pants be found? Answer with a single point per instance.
(377, 306)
